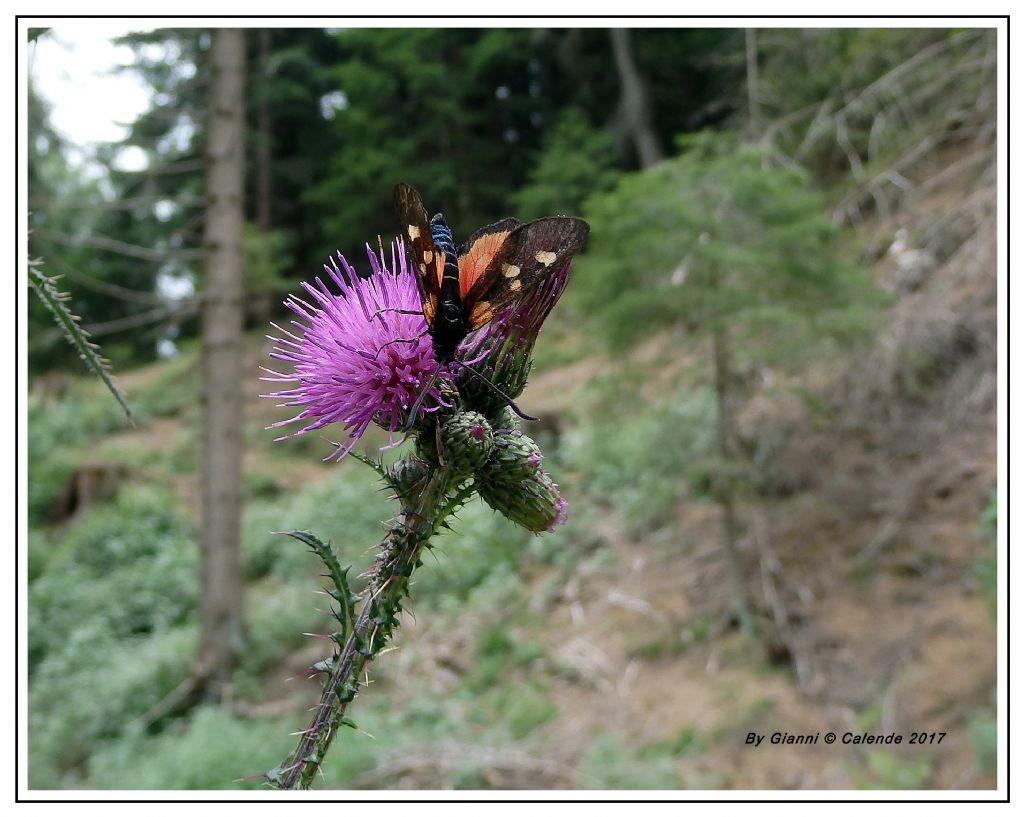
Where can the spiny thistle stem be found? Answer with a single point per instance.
(421, 516)
(57, 302)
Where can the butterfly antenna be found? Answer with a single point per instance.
(508, 400)
(415, 410)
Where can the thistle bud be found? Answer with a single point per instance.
(504, 420)
(406, 475)
(515, 456)
(514, 483)
(467, 440)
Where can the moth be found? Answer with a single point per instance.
(462, 290)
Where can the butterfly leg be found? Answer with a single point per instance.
(400, 340)
(415, 410)
(508, 400)
(438, 443)
(399, 311)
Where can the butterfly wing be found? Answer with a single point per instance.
(525, 256)
(427, 262)
(479, 250)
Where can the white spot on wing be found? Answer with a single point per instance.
(509, 270)
(414, 232)
(546, 258)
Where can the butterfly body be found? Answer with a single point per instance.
(451, 322)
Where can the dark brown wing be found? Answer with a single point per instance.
(527, 256)
(427, 262)
(476, 254)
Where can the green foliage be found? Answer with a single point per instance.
(109, 596)
(612, 763)
(717, 239)
(485, 546)
(576, 161)
(987, 568)
(276, 616)
(125, 569)
(47, 477)
(86, 696)
(468, 116)
(421, 106)
(983, 734)
(497, 655)
(887, 771)
(266, 261)
(76, 417)
(347, 507)
(688, 741)
(853, 104)
(643, 461)
(515, 710)
(212, 749)
(801, 67)
(173, 389)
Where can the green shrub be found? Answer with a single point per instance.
(482, 545)
(85, 412)
(497, 656)
(348, 509)
(576, 161)
(126, 568)
(887, 771)
(48, 473)
(212, 749)
(688, 741)
(92, 691)
(986, 569)
(508, 709)
(983, 733)
(277, 615)
(641, 464)
(174, 388)
(611, 763)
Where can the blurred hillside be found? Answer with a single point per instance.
(609, 653)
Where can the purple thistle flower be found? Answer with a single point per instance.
(346, 362)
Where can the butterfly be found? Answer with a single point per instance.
(463, 290)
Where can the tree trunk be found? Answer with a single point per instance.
(221, 633)
(634, 110)
(260, 305)
(753, 93)
(263, 124)
(725, 487)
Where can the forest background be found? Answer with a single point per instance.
(769, 394)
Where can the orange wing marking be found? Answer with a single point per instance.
(477, 258)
